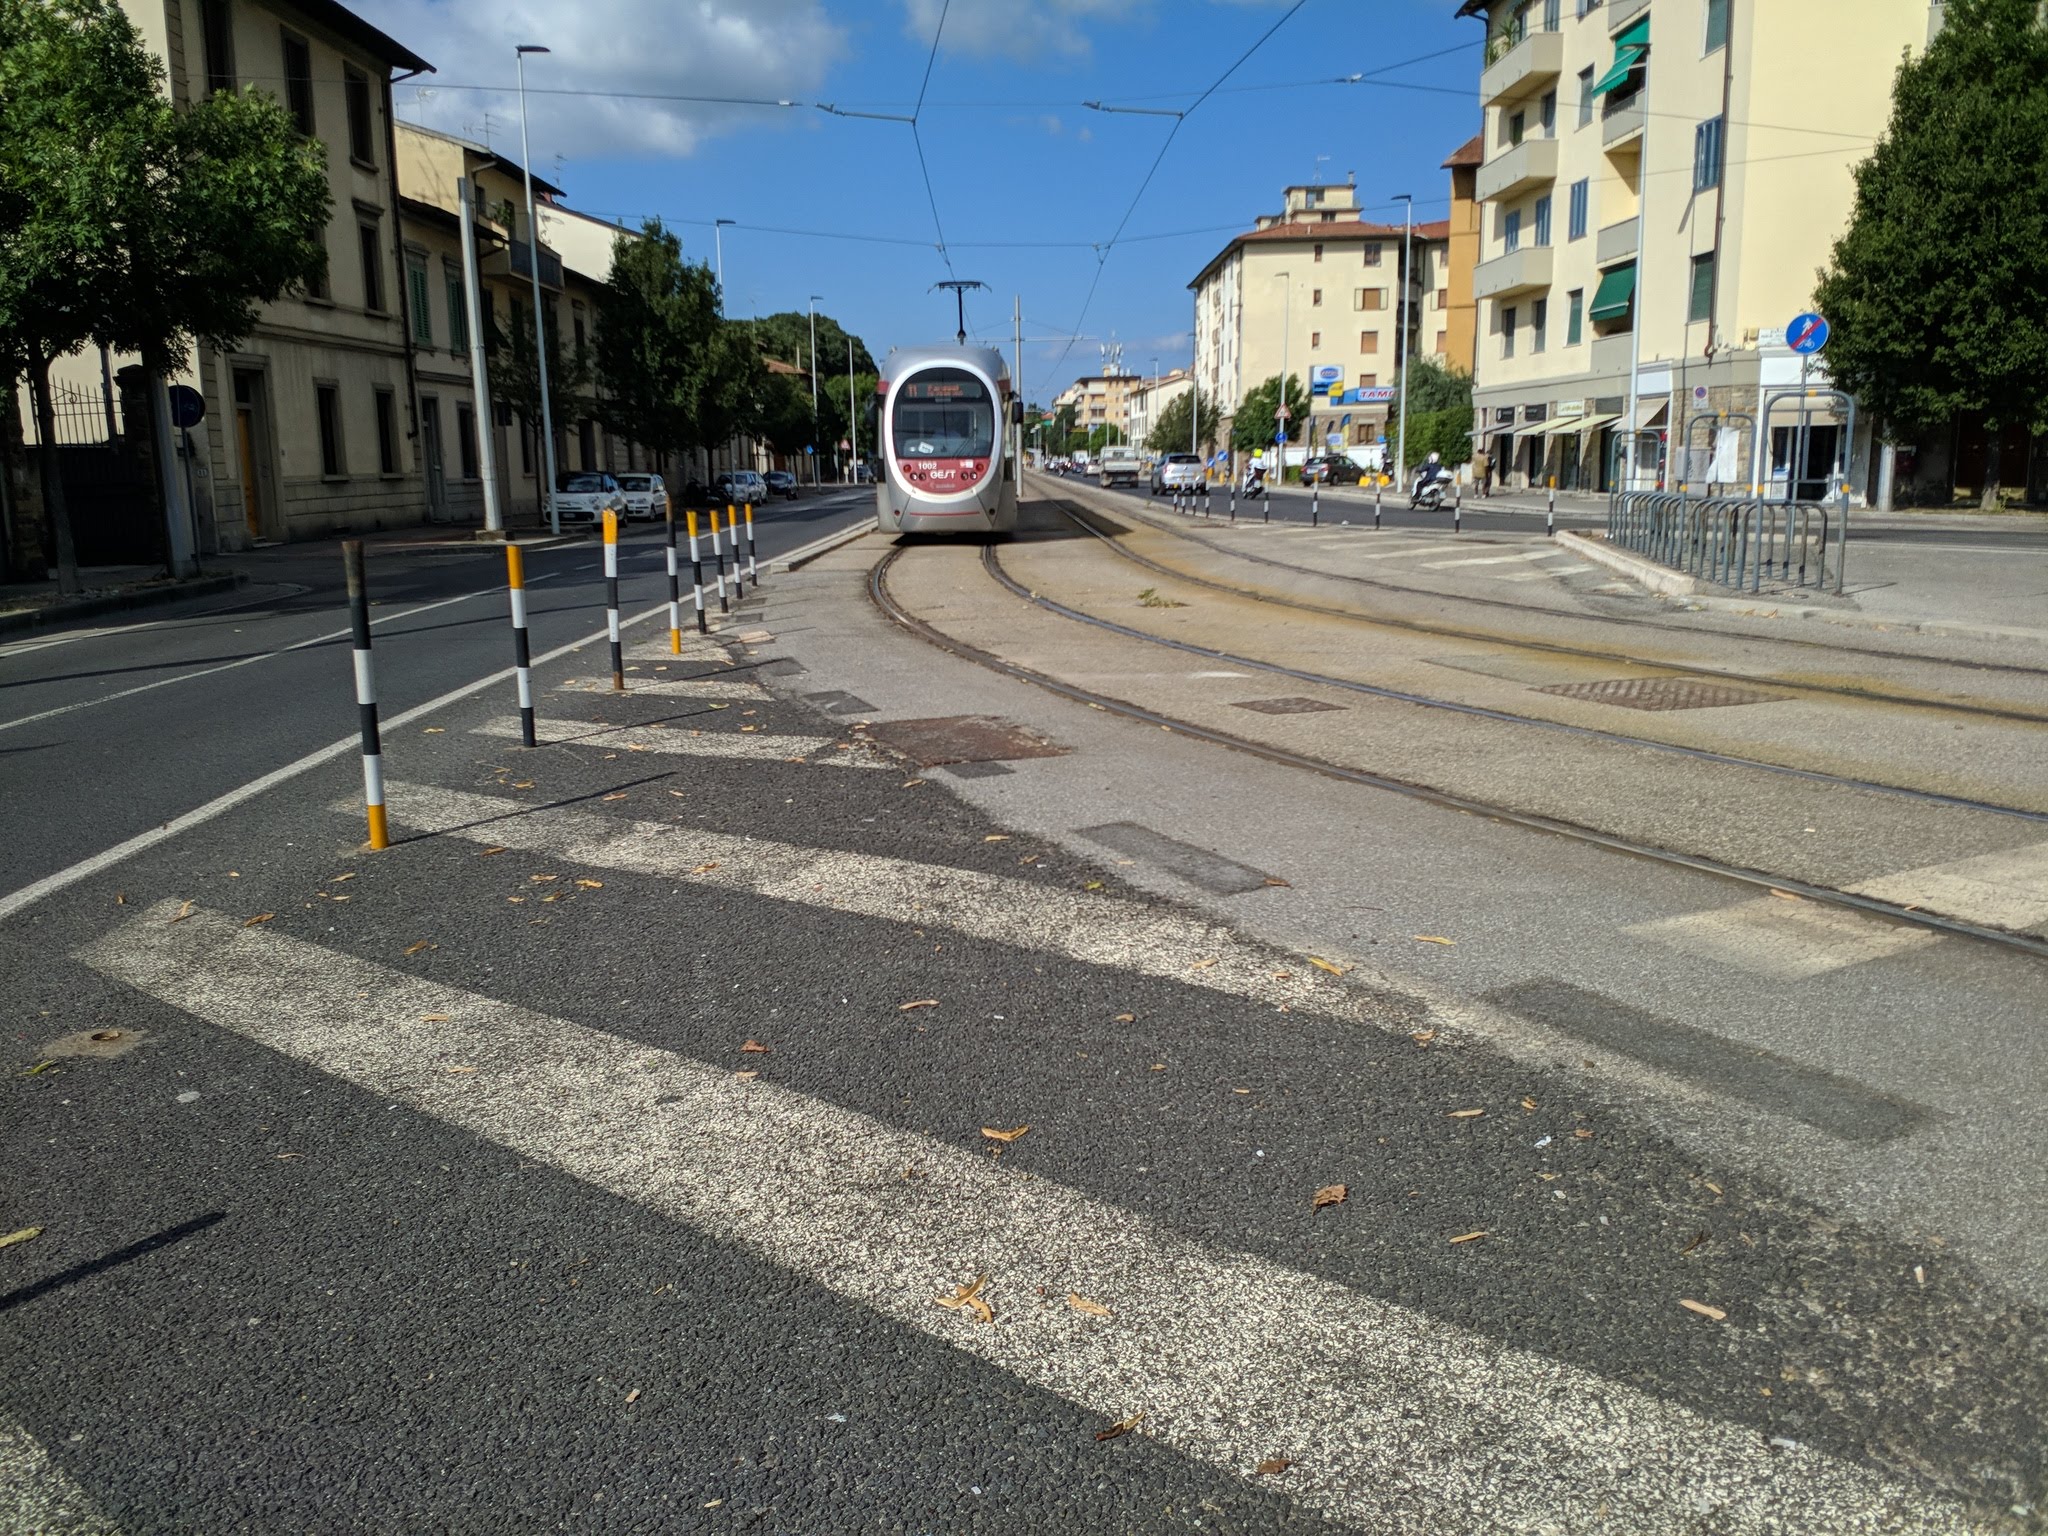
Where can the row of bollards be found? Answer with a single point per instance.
(745, 568)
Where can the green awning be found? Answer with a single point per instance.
(1625, 62)
(1634, 35)
(1615, 295)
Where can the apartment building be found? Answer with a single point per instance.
(1316, 291)
(1099, 400)
(1154, 395)
(1660, 182)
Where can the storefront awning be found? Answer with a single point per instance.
(1553, 428)
(1592, 422)
(1650, 413)
(1616, 293)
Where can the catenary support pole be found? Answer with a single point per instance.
(696, 574)
(366, 693)
(611, 598)
(675, 589)
(522, 664)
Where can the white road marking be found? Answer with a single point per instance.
(1439, 565)
(36, 1497)
(668, 688)
(682, 742)
(1998, 890)
(220, 805)
(1399, 1419)
(1788, 940)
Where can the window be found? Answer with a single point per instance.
(1580, 196)
(1369, 298)
(1319, 252)
(362, 141)
(1546, 114)
(580, 342)
(422, 310)
(1539, 323)
(1717, 25)
(317, 286)
(1701, 306)
(1315, 339)
(1511, 229)
(387, 433)
(1368, 381)
(1588, 7)
(298, 82)
(458, 314)
(1443, 339)
(1542, 236)
(1507, 331)
(1518, 127)
(1575, 317)
(373, 265)
(1706, 155)
(327, 403)
(1369, 342)
(465, 440)
(1316, 297)
(525, 447)
(1443, 298)
(1585, 95)
(1551, 8)
(219, 43)
(1372, 255)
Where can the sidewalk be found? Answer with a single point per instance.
(104, 589)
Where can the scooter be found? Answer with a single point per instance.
(1428, 496)
(1253, 488)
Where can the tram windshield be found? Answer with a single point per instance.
(944, 413)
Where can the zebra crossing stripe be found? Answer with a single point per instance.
(1399, 1419)
(671, 741)
(35, 1494)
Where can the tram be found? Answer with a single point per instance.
(944, 419)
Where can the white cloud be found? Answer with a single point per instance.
(1024, 30)
(773, 49)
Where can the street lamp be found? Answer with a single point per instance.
(1280, 411)
(1407, 201)
(718, 228)
(816, 466)
(540, 335)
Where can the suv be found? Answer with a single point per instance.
(585, 495)
(1177, 472)
(781, 483)
(740, 487)
(646, 496)
(1331, 469)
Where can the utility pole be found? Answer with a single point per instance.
(852, 414)
(479, 374)
(540, 330)
(1407, 200)
(1280, 410)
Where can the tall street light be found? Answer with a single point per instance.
(1280, 411)
(718, 228)
(540, 336)
(1407, 201)
(816, 465)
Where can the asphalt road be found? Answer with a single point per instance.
(110, 730)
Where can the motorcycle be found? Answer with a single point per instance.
(1428, 495)
(1254, 485)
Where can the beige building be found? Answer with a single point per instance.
(1152, 398)
(1662, 180)
(1100, 400)
(1319, 289)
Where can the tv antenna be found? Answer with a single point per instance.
(959, 287)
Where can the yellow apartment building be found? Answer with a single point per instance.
(1660, 183)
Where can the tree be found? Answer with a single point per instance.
(1256, 423)
(515, 381)
(1436, 386)
(1938, 293)
(1171, 434)
(655, 320)
(788, 336)
(129, 222)
(1439, 413)
(1103, 435)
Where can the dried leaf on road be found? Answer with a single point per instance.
(1422, 1037)
(461, 1071)
(1327, 965)
(705, 869)
(1121, 1427)
(37, 1070)
(1697, 1239)
(1434, 938)
(1703, 1309)
(1005, 1137)
(434, 730)
(1273, 1466)
(968, 1298)
(619, 796)
(633, 1396)
(1081, 1303)
(485, 854)
(185, 911)
(911, 783)
(1783, 895)
(1203, 965)
(542, 879)
(1127, 1018)
(434, 1018)
(747, 1076)
(1276, 880)
(260, 917)
(1092, 885)
(1330, 1194)
(413, 949)
(922, 1002)
(1528, 1103)
(1470, 1237)
(997, 837)
(1466, 1114)
(591, 885)
(1582, 1134)
(756, 1048)
(21, 1236)
(337, 879)
(523, 784)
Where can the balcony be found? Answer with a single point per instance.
(1621, 12)
(1535, 59)
(1530, 163)
(1622, 124)
(1524, 271)
(1616, 242)
(1614, 354)
(516, 260)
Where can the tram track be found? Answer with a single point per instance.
(884, 600)
(1082, 517)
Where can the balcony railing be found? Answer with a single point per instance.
(1614, 354)
(1615, 242)
(1530, 163)
(1621, 121)
(1519, 271)
(516, 260)
(1520, 68)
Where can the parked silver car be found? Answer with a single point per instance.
(585, 495)
(646, 496)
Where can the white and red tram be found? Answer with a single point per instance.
(944, 432)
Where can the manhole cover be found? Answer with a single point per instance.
(1661, 693)
(1286, 706)
(962, 739)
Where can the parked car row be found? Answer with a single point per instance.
(585, 495)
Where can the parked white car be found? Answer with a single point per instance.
(646, 496)
(585, 495)
(740, 487)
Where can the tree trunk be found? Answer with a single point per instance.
(53, 479)
(1988, 501)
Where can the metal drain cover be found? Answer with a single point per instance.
(1662, 693)
(1285, 706)
(962, 739)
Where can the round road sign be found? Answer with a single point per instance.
(1807, 334)
(188, 407)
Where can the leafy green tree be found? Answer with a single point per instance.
(1106, 435)
(1170, 433)
(655, 321)
(788, 336)
(515, 380)
(1256, 424)
(1938, 292)
(1434, 385)
(129, 222)
(1448, 433)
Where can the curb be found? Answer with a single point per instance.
(804, 554)
(1645, 572)
(117, 602)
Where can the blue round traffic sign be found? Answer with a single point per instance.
(1807, 334)
(188, 406)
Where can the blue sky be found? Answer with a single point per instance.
(1025, 178)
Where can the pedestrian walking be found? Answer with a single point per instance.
(1482, 470)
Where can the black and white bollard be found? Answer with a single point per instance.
(1378, 488)
(732, 528)
(522, 657)
(611, 599)
(675, 590)
(753, 562)
(1457, 509)
(1550, 511)
(718, 564)
(696, 573)
(1315, 504)
(366, 693)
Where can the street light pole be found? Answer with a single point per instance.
(816, 466)
(1280, 409)
(852, 414)
(718, 244)
(540, 332)
(1407, 201)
